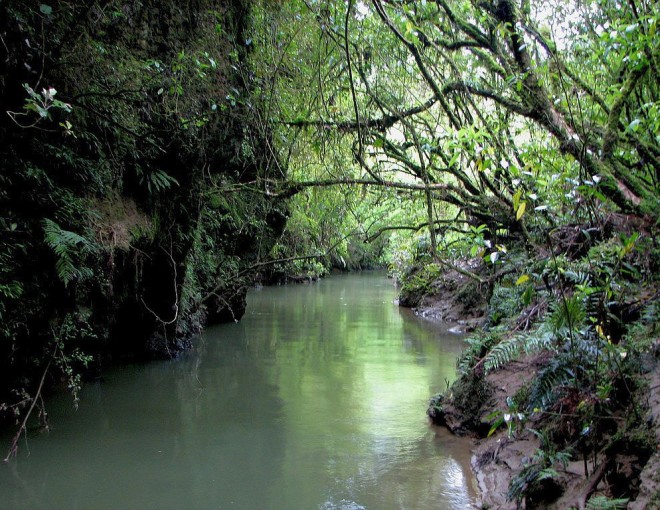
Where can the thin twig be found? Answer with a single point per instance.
(176, 295)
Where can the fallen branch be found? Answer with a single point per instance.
(13, 449)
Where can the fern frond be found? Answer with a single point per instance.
(465, 362)
(567, 314)
(479, 344)
(539, 341)
(510, 348)
(589, 346)
(578, 277)
(549, 380)
(65, 269)
(59, 239)
(604, 503)
(504, 352)
(521, 482)
(67, 246)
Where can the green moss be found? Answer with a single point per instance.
(470, 393)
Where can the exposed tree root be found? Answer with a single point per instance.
(590, 484)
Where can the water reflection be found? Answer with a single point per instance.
(315, 400)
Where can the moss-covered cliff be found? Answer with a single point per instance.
(124, 128)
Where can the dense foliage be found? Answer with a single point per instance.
(122, 125)
(152, 154)
(470, 115)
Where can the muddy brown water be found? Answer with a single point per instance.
(315, 400)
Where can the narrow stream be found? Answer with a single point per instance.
(315, 400)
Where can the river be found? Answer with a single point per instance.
(315, 400)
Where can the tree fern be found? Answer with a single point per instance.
(67, 246)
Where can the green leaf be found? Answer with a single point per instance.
(521, 210)
(46, 9)
(495, 426)
(524, 278)
(526, 297)
(516, 200)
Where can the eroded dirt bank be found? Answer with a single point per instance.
(613, 460)
(625, 470)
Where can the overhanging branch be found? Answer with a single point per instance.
(381, 124)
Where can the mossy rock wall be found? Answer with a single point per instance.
(112, 206)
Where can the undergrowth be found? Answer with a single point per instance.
(594, 322)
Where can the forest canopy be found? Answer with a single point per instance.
(497, 116)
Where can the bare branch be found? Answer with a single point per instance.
(13, 449)
(381, 124)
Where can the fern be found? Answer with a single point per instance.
(67, 246)
(11, 290)
(159, 180)
(540, 468)
(504, 352)
(578, 277)
(156, 181)
(567, 314)
(604, 503)
(587, 346)
(520, 484)
(510, 348)
(479, 345)
(552, 378)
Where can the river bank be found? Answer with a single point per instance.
(585, 460)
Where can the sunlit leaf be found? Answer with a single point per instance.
(524, 278)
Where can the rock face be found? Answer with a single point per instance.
(121, 128)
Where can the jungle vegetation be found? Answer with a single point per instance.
(159, 158)
(523, 135)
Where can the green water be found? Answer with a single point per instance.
(315, 400)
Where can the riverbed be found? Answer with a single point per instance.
(316, 399)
